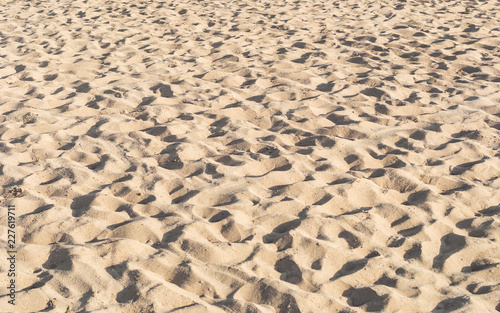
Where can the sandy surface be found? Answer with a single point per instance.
(251, 156)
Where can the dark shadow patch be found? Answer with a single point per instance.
(413, 97)
(306, 151)
(350, 238)
(387, 281)
(165, 90)
(450, 305)
(462, 168)
(303, 58)
(147, 100)
(148, 199)
(99, 165)
(372, 254)
(465, 224)
(410, 55)
(128, 295)
(83, 88)
(287, 226)
(93, 104)
(117, 271)
(58, 90)
(400, 220)
(85, 298)
(94, 131)
(433, 162)
(471, 98)
(230, 199)
(324, 200)
(128, 209)
(81, 205)
(67, 146)
(70, 95)
(418, 197)
(366, 296)
(44, 277)
(163, 215)
(219, 216)
(156, 130)
(188, 195)
(307, 142)
(357, 60)
(382, 109)
(470, 69)
(491, 211)
(290, 271)
(211, 169)
(41, 209)
(173, 235)
(281, 231)
(482, 264)
(197, 172)
(115, 226)
(478, 289)
(316, 265)
(283, 168)
(450, 244)
(351, 158)
(414, 252)
(227, 160)
(349, 268)
(397, 164)
(395, 241)
(288, 305)
(50, 77)
(342, 181)
(257, 99)
(219, 124)
(418, 135)
(356, 211)
(325, 87)
(124, 178)
(411, 231)
(323, 167)
(378, 173)
(217, 133)
(172, 162)
(272, 152)
(324, 141)
(249, 82)
(471, 134)
(404, 143)
(340, 119)
(59, 259)
(464, 187)
(374, 92)
(300, 45)
(19, 68)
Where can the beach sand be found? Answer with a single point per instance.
(250, 156)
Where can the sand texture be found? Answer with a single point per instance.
(251, 156)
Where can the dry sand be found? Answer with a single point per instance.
(251, 156)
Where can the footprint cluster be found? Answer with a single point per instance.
(252, 156)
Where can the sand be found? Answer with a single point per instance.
(251, 156)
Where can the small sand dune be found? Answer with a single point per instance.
(251, 156)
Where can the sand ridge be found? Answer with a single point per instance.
(251, 156)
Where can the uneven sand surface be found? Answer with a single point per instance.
(251, 156)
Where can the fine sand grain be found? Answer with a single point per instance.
(251, 156)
